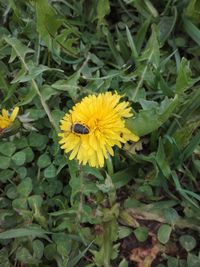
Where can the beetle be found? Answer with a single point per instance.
(78, 128)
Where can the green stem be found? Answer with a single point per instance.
(80, 208)
(107, 244)
(109, 166)
(35, 86)
(45, 106)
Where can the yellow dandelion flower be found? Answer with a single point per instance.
(6, 120)
(94, 126)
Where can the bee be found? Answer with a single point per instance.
(78, 128)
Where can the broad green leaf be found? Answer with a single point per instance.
(63, 243)
(123, 177)
(93, 171)
(35, 202)
(28, 96)
(123, 263)
(124, 231)
(21, 142)
(25, 187)
(150, 119)
(4, 258)
(43, 161)
(11, 192)
(23, 255)
(172, 262)
(50, 251)
(21, 204)
(7, 148)
(38, 249)
(29, 154)
(47, 92)
(19, 158)
(57, 116)
(22, 171)
(141, 234)
(50, 171)
(188, 242)
(22, 232)
(193, 260)
(171, 216)
(5, 175)
(4, 162)
(164, 233)
(67, 39)
(37, 140)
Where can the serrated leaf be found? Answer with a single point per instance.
(149, 120)
(184, 80)
(70, 85)
(152, 51)
(18, 47)
(47, 21)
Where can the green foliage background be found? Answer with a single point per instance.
(52, 54)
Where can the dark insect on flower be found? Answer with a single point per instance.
(92, 128)
(78, 128)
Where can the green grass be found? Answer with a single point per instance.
(54, 213)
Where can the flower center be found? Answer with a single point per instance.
(95, 126)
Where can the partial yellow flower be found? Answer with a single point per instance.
(94, 126)
(6, 120)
